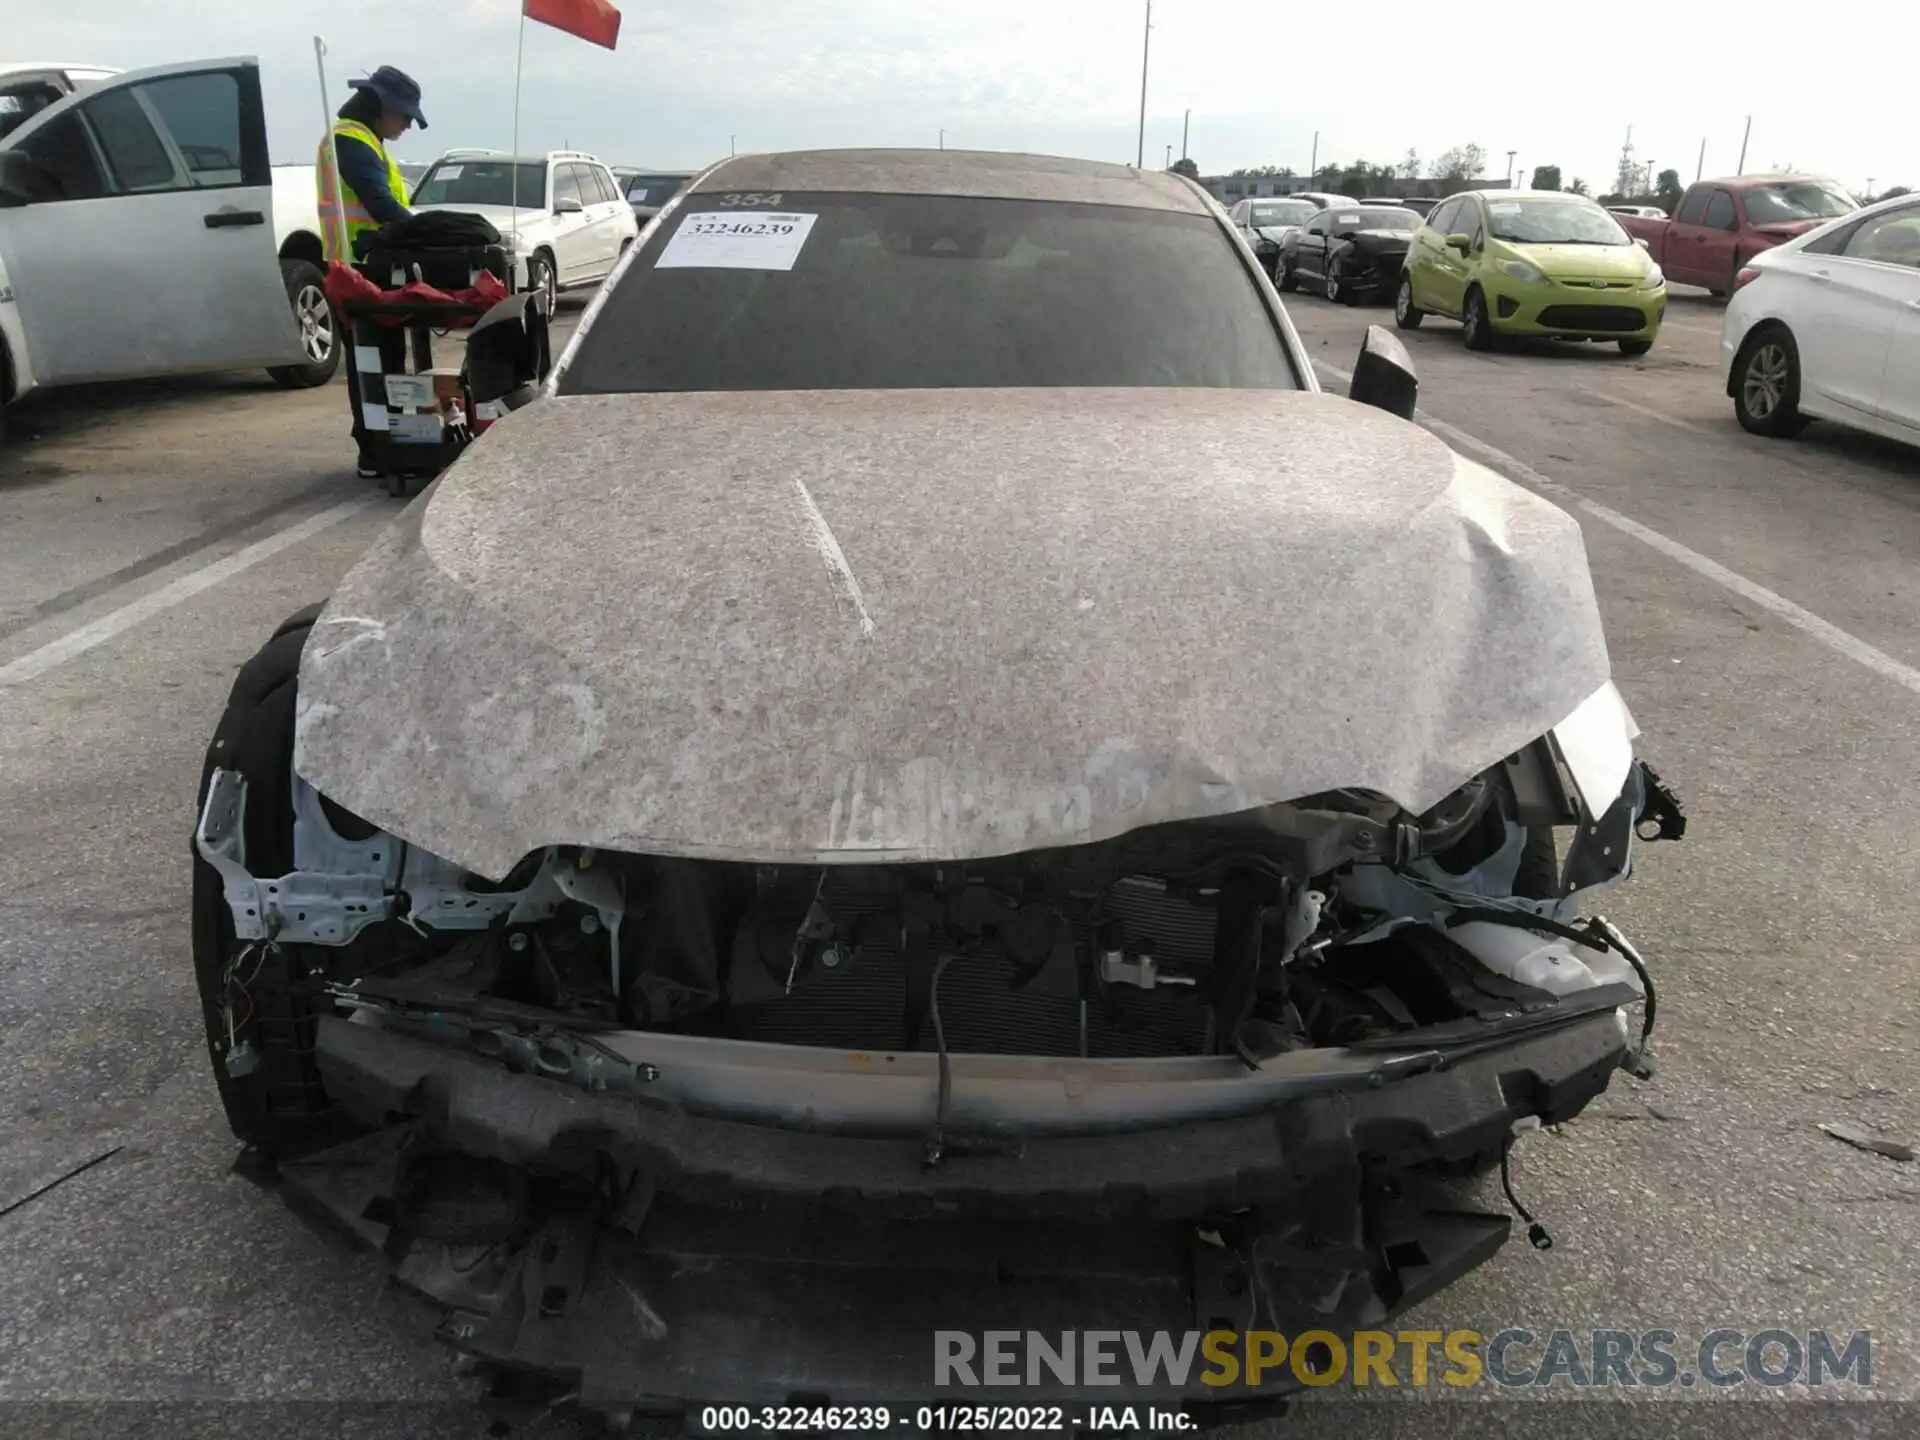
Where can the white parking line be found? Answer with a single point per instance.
(54, 653)
(1648, 411)
(1805, 621)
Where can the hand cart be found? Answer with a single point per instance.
(418, 419)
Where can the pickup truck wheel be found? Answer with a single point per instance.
(1475, 327)
(273, 1095)
(1766, 384)
(319, 327)
(1406, 314)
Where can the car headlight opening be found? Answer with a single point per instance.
(1521, 270)
(1654, 278)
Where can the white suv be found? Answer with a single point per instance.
(562, 213)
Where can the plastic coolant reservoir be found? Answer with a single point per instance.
(1545, 962)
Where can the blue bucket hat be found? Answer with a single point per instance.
(397, 90)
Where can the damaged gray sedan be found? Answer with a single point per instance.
(924, 778)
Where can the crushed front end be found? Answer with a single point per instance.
(673, 1131)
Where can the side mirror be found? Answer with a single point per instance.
(568, 206)
(1462, 243)
(1383, 375)
(508, 350)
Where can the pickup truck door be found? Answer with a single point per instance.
(1677, 250)
(1715, 240)
(155, 254)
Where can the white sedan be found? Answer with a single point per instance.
(1827, 327)
(137, 237)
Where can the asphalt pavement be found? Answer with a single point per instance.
(1761, 598)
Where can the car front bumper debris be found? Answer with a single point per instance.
(653, 1259)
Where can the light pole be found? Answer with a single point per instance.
(1510, 155)
(1184, 124)
(1313, 165)
(1744, 136)
(1870, 187)
(1169, 164)
(1146, 45)
(943, 139)
(1649, 185)
(731, 149)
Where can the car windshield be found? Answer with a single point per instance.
(1386, 218)
(483, 182)
(1797, 200)
(912, 292)
(653, 189)
(1291, 212)
(1568, 221)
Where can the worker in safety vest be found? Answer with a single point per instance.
(361, 189)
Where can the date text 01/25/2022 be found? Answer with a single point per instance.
(941, 1419)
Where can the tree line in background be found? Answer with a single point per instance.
(1465, 162)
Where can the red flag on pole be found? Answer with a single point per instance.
(592, 20)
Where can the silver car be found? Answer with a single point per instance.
(928, 779)
(1265, 224)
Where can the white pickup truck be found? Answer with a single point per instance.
(101, 173)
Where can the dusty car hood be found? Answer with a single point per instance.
(852, 626)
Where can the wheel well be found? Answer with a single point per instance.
(1754, 332)
(303, 245)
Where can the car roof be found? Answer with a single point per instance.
(977, 174)
(18, 67)
(1775, 177)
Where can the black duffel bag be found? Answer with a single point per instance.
(444, 248)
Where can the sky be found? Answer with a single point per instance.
(1558, 84)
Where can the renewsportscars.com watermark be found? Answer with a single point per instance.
(1512, 1358)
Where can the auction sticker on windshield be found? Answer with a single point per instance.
(736, 240)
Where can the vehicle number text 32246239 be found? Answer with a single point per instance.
(732, 225)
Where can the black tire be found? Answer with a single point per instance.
(1406, 314)
(1766, 383)
(1283, 279)
(282, 1101)
(321, 333)
(1635, 347)
(1476, 326)
(542, 275)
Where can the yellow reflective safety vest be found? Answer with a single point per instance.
(343, 216)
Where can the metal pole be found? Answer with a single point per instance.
(731, 148)
(943, 139)
(1146, 45)
(334, 222)
(1743, 146)
(1700, 165)
(1183, 134)
(1313, 165)
(1169, 164)
(1649, 189)
(513, 166)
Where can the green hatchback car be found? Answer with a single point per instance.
(1532, 262)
